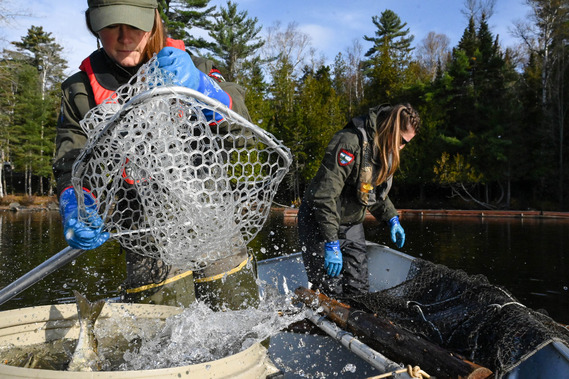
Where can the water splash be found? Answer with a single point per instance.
(199, 334)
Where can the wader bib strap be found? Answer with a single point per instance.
(226, 273)
(190, 272)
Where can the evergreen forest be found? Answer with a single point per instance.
(493, 118)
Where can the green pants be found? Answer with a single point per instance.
(223, 287)
(229, 283)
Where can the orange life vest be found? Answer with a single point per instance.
(101, 93)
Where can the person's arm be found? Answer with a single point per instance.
(326, 188)
(199, 74)
(235, 91)
(237, 94)
(325, 191)
(384, 210)
(181, 65)
(76, 101)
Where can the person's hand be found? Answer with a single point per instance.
(81, 235)
(332, 258)
(397, 232)
(180, 64)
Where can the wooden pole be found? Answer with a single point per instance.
(393, 341)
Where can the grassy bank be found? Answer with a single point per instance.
(28, 201)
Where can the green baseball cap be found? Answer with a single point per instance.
(137, 13)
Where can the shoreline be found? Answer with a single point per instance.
(290, 213)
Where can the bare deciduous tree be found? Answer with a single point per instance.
(355, 80)
(290, 45)
(478, 8)
(433, 52)
(538, 32)
(9, 11)
(544, 34)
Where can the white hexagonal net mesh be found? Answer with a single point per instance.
(170, 184)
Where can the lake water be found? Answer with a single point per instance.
(529, 257)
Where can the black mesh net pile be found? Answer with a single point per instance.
(465, 314)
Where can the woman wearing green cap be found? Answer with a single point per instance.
(131, 33)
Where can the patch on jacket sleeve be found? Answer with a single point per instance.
(345, 157)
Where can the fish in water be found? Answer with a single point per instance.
(85, 357)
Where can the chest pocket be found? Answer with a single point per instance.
(365, 188)
(365, 184)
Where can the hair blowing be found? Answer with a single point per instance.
(387, 138)
(157, 39)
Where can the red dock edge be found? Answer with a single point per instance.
(290, 214)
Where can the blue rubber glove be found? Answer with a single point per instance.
(332, 258)
(180, 64)
(79, 235)
(397, 232)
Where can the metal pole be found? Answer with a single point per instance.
(374, 358)
(35, 275)
(52, 264)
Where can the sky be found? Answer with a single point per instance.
(332, 25)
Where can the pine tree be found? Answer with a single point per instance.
(389, 58)
(256, 87)
(320, 116)
(29, 121)
(390, 31)
(236, 38)
(181, 17)
(38, 74)
(44, 54)
(481, 112)
(532, 160)
(341, 83)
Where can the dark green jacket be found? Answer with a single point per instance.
(78, 99)
(331, 198)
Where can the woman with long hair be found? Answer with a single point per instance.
(355, 176)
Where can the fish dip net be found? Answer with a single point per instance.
(169, 181)
(464, 314)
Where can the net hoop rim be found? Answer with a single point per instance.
(265, 136)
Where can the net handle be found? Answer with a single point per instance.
(49, 266)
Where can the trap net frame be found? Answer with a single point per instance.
(465, 314)
(169, 181)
